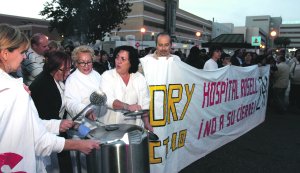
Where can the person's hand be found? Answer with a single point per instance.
(148, 126)
(146, 122)
(27, 89)
(134, 107)
(65, 125)
(86, 146)
(90, 114)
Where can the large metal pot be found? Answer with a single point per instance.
(123, 149)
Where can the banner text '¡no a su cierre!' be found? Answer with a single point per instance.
(215, 93)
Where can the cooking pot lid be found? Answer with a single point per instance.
(116, 132)
(135, 113)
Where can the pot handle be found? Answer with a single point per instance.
(152, 136)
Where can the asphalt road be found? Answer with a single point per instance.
(271, 147)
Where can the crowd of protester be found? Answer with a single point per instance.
(214, 58)
(62, 77)
(284, 71)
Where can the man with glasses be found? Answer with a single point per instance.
(33, 64)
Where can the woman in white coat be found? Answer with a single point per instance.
(24, 137)
(82, 83)
(126, 88)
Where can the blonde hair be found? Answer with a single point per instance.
(12, 38)
(84, 49)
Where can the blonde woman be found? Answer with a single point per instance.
(22, 132)
(82, 83)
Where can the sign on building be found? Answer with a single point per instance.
(256, 41)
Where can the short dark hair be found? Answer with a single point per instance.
(96, 52)
(195, 51)
(281, 58)
(55, 59)
(224, 55)
(132, 55)
(214, 48)
(163, 34)
(103, 52)
(53, 44)
(203, 51)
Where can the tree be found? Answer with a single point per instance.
(282, 41)
(89, 19)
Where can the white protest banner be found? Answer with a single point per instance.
(194, 112)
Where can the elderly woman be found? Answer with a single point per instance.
(47, 92)
(23, 133)
(125, 88)
(82, 83)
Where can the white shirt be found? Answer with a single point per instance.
(151, 66)
(135, 92)
(240, 60)
(21, 130)
(210, 65)
(281, 76)
(61, 88)
(156, 71)
(78, 89)
(32, 66)
(295, 72)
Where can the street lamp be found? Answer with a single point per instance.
(198, 34)
(273, 35)
(152, 36)
(143, 30)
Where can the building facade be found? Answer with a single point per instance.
(30, 26)
(221, 28)
(163, 16)
(250, 32)
(267, 24)
(291, 31)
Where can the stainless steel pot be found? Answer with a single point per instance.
(123, 149)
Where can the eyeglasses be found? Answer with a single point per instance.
(82, 64)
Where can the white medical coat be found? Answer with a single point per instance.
(78, 89)
(21, 130)
(135, 92)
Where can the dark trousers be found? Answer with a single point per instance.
(279, 97)
(294, 96)
(64, 159)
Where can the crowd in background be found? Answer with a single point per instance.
(284, 71)
(78, 70)
(279, 79)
